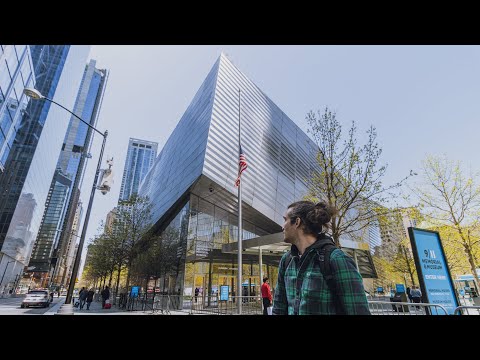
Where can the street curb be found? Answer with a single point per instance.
(54, 309)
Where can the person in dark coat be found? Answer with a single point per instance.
(409, 295)
(90, 298)
(83, 297)
(105, 295)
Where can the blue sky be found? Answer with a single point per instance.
(422, 99)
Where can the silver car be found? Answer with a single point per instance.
(36, 298)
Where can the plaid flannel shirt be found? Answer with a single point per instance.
(302, 290)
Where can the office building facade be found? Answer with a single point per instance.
(49, 254)
(31, 162)
(191, 185)
(141, 155)
(16, 73)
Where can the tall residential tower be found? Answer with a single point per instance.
(141, 155)
(39, 130)
(50, 249)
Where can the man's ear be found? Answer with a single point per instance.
(297, 222)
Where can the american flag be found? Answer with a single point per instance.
(242, 165)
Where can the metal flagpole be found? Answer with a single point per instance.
(239, 271)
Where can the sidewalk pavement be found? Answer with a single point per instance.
(54, 309)
(96, 309)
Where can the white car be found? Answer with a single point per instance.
(36, 298)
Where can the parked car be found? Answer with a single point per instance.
(36, 298)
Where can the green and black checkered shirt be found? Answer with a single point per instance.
(313, 296)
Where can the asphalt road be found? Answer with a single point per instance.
(11, 306)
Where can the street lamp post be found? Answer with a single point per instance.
(56, 266)
(8, 263)
(35, 94)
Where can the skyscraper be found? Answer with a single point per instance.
(16, 73)
(31, 161)
(72, 245)
(141, 155)
(50, 249)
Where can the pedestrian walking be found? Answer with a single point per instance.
(197, 290)
(315, 277)
(409, 294)
(82, 296)
(266, 297)
(105, 296)
(416, 295)
(90, 298)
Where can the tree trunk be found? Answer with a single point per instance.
(412, 277)
(111, 276)
(473, 267)
(118, 279)
(129, 265)
(335, 234)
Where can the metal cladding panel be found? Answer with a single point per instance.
(180, 162)
(279, 154)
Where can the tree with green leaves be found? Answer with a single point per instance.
(349, 176)
(450, 196)
(132, 224)
(452, 244)
(404, 262)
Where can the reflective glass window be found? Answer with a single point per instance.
(26, 71)
(5, 80)
(18, 86)
(20, 49)
(4, 156)
(11, 59)
(6, 117)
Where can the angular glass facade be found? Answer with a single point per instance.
(16, 73)
(30, 165)
(141, 155)
(191, 186)
(51, 244)
(196, 170)
(178, 165)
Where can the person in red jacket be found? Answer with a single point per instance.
(266, 296)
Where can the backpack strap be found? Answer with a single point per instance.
(287, 260)
(323, 257)
(323, 253)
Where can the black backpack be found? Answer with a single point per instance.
(323, 253)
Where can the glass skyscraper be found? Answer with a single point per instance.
(55, 231)
(141, 155)
(16, 73)
(31, 161)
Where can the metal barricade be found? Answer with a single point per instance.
(161, 304)
(405, 308)
(467, 310)
(212, 305)
(171, 304)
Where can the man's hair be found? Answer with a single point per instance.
(265, 279)
(313, 216)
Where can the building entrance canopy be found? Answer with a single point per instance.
(273, 244)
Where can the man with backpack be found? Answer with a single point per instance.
(315, 277)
